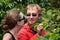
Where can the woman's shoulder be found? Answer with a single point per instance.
(7, 36)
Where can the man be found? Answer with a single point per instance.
(33, 12)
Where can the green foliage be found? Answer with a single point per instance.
(36, 38)
(54, 35)
(50, 14)
(40, 38)
(55, 3)
(1, 33)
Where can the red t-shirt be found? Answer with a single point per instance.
(25, 33)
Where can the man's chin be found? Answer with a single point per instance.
(31, 23)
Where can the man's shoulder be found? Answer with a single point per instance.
(26, 26)
(24, 29)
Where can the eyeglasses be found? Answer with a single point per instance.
(29, 14)
(22, 18)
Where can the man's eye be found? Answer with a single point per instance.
(34, 14)
(28, 14)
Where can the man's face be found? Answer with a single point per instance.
(32, 15)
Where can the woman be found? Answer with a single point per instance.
(12, 24)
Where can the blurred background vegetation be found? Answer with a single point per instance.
(50, 14)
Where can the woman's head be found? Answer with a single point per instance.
(13, 16)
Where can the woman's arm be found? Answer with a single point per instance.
(7, 36)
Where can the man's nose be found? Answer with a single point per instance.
(31, 16)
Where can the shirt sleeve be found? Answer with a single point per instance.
(43, 32)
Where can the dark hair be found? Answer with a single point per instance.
(11, 19)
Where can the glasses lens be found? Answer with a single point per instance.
(28, 14)
(33, 14)
(22, 19)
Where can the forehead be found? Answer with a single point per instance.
(32, 10)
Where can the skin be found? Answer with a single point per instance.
(32, 19)
(7, 36)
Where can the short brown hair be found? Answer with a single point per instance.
(34, 5)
